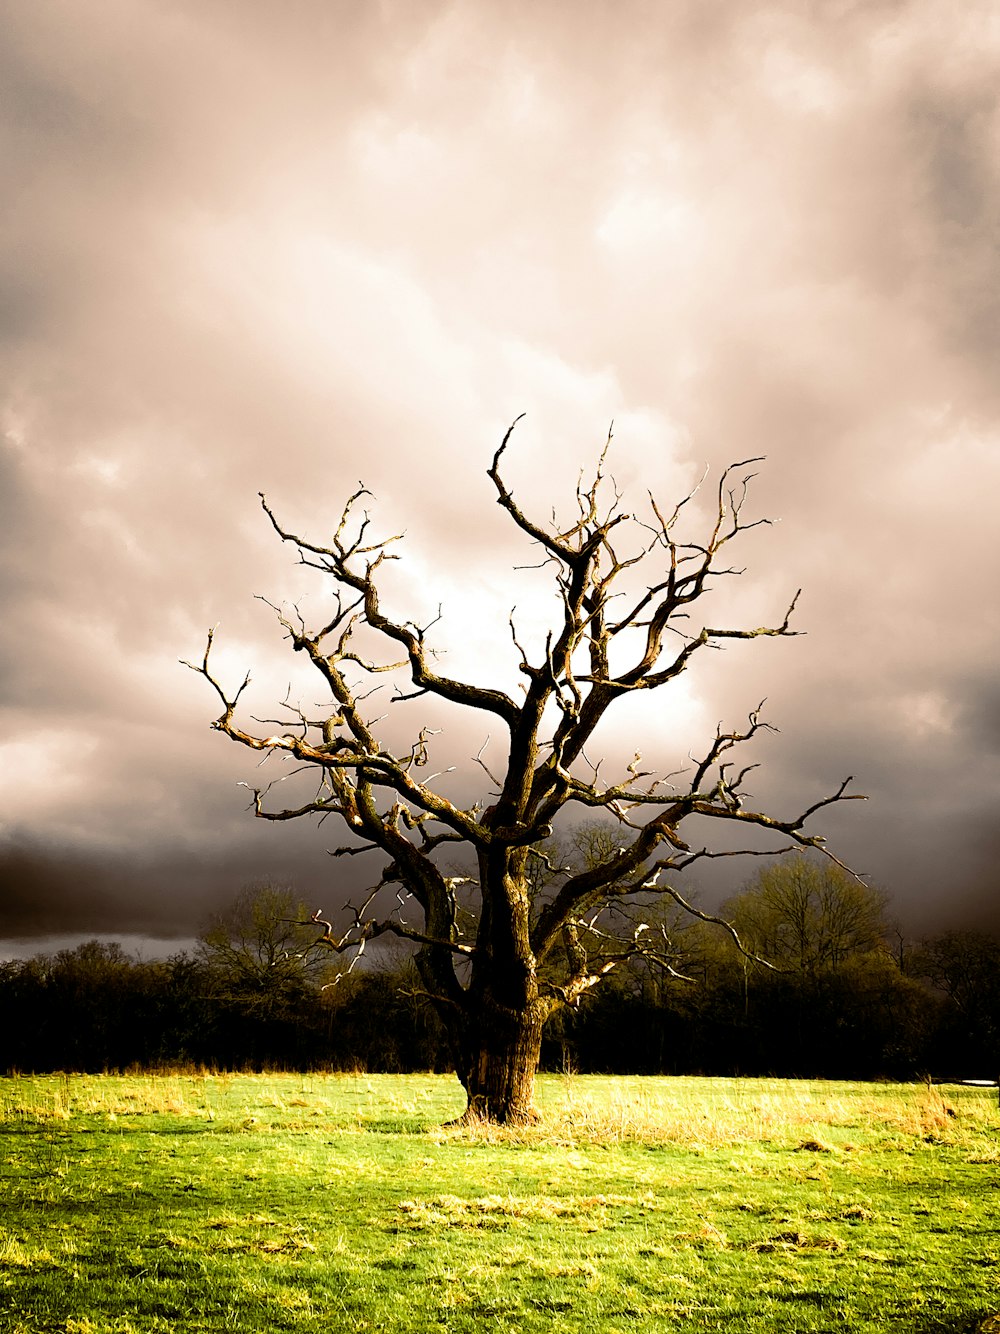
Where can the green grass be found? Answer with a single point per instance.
(330, 1203)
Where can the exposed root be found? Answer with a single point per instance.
(477, 1116)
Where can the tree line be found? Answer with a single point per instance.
(808, 978)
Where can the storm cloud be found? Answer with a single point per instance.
(248, 249)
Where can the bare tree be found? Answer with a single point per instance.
(529, 949)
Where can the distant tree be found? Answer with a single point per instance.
(260, 945)
(26, 1032)
(379, 1021)
(89, 988)
(93, 1007)
(831, 998)
(964, 969)
(626, 590)
(809, 916)
(261, 979)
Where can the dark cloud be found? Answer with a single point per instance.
(150, 889)
(249, 249)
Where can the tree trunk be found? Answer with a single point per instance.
(497, 1062)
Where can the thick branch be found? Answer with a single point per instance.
(335, 560)
(628, 873)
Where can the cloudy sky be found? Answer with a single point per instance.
(286, 248)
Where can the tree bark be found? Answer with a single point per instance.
(497, 1060)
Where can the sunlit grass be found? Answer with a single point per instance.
(208, 1202)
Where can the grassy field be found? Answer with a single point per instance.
(329, 1203)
